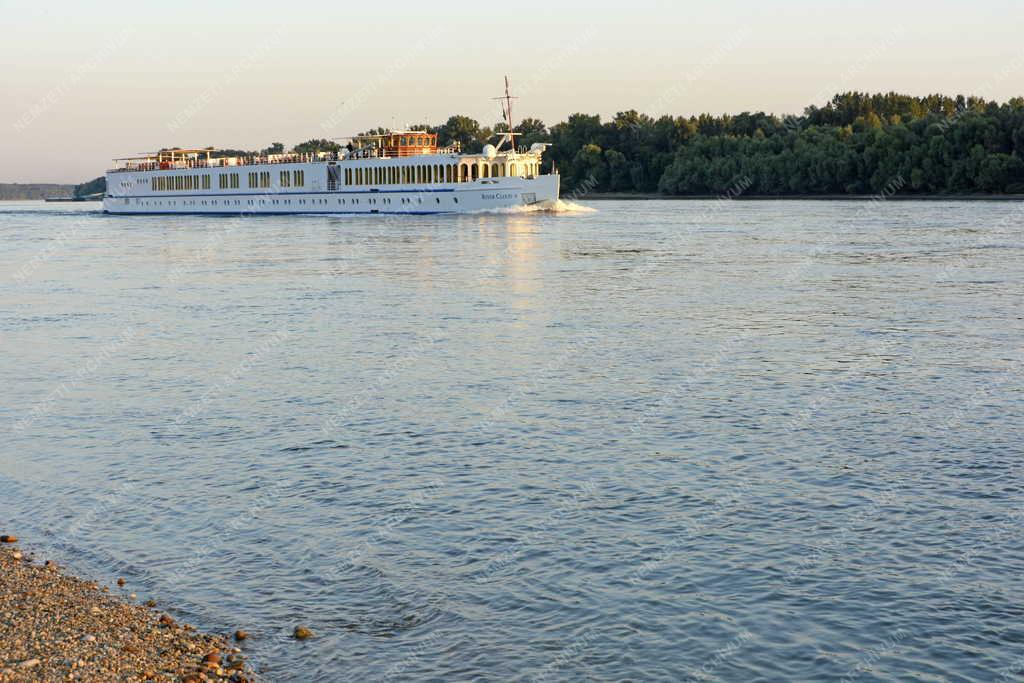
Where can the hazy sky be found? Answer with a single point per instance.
(83, 82)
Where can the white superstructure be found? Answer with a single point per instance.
(397, 172)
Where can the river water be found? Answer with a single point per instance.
(646, 441)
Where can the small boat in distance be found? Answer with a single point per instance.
(402, 171)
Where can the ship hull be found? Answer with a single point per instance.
(465, 197)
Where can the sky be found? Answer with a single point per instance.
(82, 83)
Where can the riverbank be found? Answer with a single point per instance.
(801, 197)
(56, 627)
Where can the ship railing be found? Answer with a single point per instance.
(228, 162)
(290, 158)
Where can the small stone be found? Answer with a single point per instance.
(120, 581)
(241, 635)
(150, 603)
(132, 596)
(95, 611)
(28, 663)
(16, 555)
(165, 620)
(9, 539)
(301, 633)
(89, 639)
(213, 657)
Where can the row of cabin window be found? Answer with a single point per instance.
(180, 182)
(225, 181)
(292, 179)
(433, 173)
(228, 181)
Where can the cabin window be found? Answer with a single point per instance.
(285, 178)
(206, 182)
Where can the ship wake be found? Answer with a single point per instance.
(556, 206)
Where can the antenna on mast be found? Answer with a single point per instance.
(506, 113)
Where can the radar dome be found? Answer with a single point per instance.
(490, 151)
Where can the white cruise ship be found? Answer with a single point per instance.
(397, 172)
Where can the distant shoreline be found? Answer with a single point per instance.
(620, 196)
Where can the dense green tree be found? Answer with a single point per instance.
(465, 132)
(96, 186)
(311, 146)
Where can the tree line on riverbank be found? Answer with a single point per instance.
(854, 144)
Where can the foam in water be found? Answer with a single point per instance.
(547, 206)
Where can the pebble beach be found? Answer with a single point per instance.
(57, 627)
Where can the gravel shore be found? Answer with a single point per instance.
(55, 627)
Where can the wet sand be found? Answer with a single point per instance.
(55, 627)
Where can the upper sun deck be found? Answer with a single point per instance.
(390, 145)
(169, 159)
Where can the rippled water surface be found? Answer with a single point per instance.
(662, 441)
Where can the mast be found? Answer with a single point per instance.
(506, 112)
